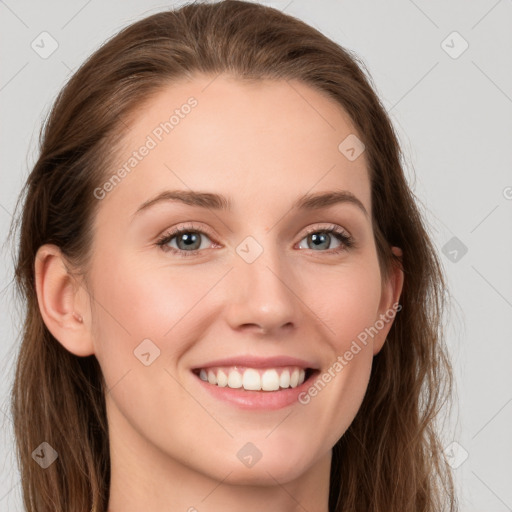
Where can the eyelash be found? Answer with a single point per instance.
(346, 240)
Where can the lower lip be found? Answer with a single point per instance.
(256, 400)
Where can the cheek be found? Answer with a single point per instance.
(170, 307)
(345, 299)
(139, 302)
(140, 311)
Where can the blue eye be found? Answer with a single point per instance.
(322, 237)
(189, 240)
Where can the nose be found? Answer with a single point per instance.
(261, 296)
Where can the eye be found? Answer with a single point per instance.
(189, 241)
(322, 238)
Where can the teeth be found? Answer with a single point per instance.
(222, 379)
(252, 379)
(234, 379)
(284, 380)
(270, 381)
(294, 378)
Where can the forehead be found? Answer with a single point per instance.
(262, 141)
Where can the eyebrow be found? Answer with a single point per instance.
(213, 201)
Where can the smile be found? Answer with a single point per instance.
(254, 379)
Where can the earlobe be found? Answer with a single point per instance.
(389, 306)
(61, 304)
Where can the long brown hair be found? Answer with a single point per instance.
(391, 456)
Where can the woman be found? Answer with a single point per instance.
(232, 300)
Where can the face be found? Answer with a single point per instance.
(259, 288)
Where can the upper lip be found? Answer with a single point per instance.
(258, 362)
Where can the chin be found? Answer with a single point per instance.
(274, 464)
(267, 473)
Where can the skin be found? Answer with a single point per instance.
(263, 145)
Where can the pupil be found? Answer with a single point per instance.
(322, 238)
(189, 239)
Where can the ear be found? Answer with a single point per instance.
(63, 302)
(389, 307)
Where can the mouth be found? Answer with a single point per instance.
(256, 383)
(245, 378)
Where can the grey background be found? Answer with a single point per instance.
(454, 118)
